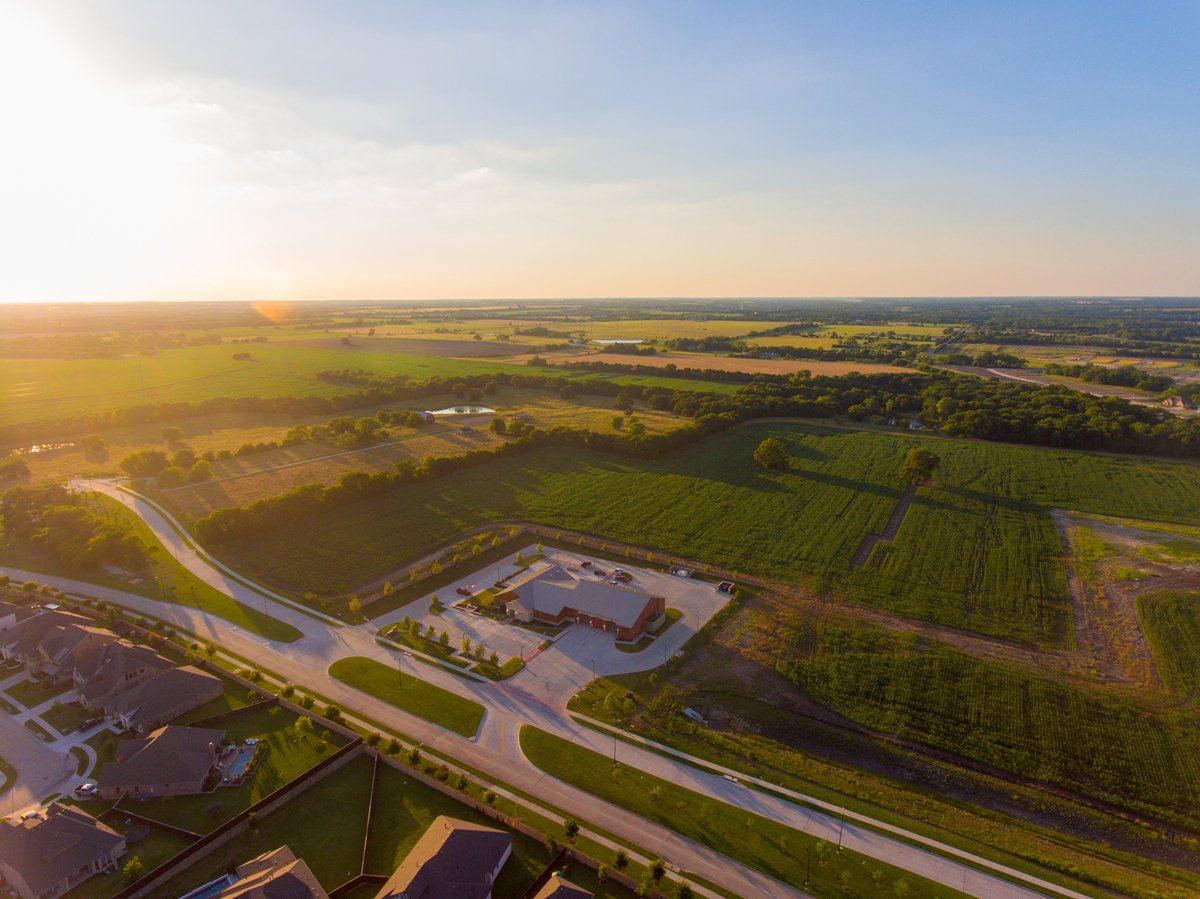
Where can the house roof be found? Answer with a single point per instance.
(105, 668)
(277, 874)
(550, 590)
(25, 636)
(168, 755)
(453, 860)
(48, 849)
(148, 701)
(558, 887)
(19, 612)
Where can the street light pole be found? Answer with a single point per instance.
(841, 825)
(807, 866)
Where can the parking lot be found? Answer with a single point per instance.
(555, 673)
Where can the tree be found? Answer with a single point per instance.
(919, 465)
(657, 869)
(355, 604)
(133, 868)
(621, 860)
(771, 453)
(171, 435)
(387, 588)
(685, 891)
(571, 828)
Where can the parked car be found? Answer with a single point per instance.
(251, 741)
(87, 788)
(585, 564)
(731, 778)
(463, 591)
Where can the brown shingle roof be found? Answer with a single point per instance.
(277, 874)
(49, 849)
(453, 860)
(168, 755)
(560, 888)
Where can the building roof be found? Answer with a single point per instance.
(25, 636)
(50, 848)
(558, 887)
(147, 702)
(105, 669)
(552, 589)
(19, 612)
(453, 860)
(277, 874)
(168, 755)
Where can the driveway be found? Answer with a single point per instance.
(40, 770)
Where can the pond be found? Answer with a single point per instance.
(462, 410)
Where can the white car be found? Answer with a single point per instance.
(731, 778)
(251, 741)
(86, 789)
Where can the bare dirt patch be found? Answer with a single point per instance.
(721, 363)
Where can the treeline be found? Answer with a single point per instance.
(226, 524)
(986, 359)
(53, 525)
(1129, 342)
(1120, 376)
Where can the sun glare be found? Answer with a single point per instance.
(90, 180)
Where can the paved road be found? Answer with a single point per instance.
(495, 748)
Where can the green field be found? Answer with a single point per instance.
(758, 842)
(978, 551)
(1171, 621)
(431, 702)
(49, 389)
(289, 754)
(1097, 743)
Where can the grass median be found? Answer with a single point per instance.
(760, 843)
(443, 708)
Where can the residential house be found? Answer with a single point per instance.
(171, 761)
(558, 887)
(45, 856)
(453, 858)
(552, 595)
(12, 615)
(150, 704)
(1175, 401)
(111, 668)
(23, 641)
(277, 874)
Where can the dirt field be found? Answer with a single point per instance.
(721, 363)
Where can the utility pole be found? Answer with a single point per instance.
(807, 866)
(841, 825)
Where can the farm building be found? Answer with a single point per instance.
(552, 595)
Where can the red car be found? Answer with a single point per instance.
(463, 591)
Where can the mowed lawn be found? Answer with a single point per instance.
(977, 551)
(758, 842)
(289, 754)
(421, 698)
(404, 809)
(325, 825)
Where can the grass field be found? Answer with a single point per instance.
(289, 754)
(245, 479)
(443, 708)
(704, 361)
(1098, 743)
(756, 841)
(404, 809)
(169, 581)
(1171, 622)
(978, 551)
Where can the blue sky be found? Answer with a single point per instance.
(303, 150)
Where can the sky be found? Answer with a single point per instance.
(162, 150)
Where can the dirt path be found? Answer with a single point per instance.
(1108, 631)
(889, 531)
